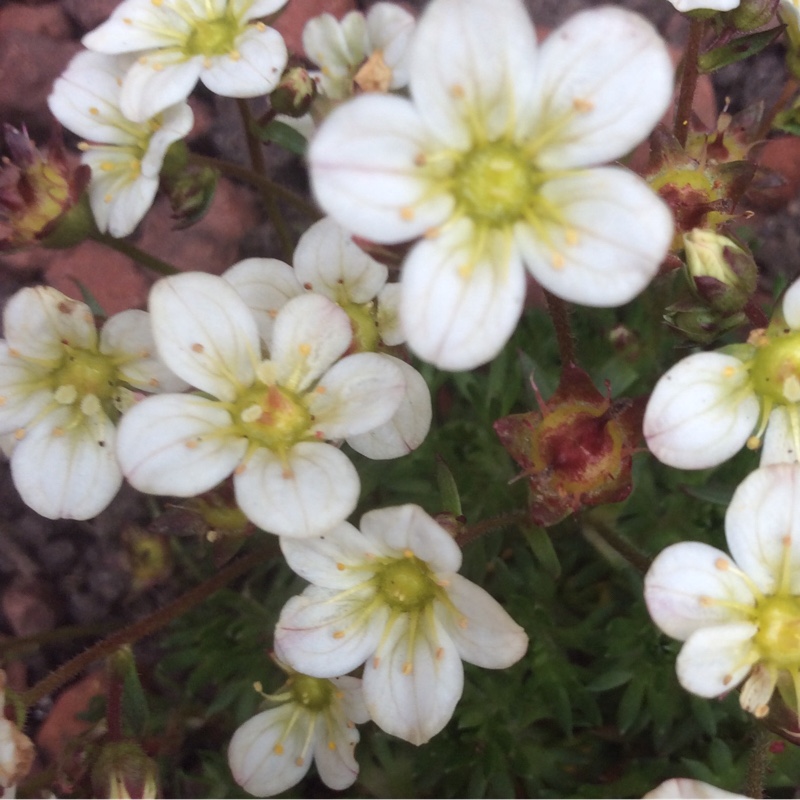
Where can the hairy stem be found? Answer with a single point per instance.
(472, 532)
(757, 763)
(132, 251)
(559, 313)
(683, 112)
(635, 557)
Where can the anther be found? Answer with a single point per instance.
(558, 261)
(408, 553)
(94, 111)
(729, 372)
(58, 432)
(407, 213)
(260, 26)
(722, 564)
(278, 749)
(420, 160)
(582, 104)
(408, 668)
(753, 443)
(761, 711)
(440, 653)
(191, 444)
(376, 662)
(19, 434)
(299, 761)
(338, 634)
(727, 679)
(457, 91)
(331, 745)
(234, 55)
(197, 347)
(305, 349)
(340, 566)
(462, 623)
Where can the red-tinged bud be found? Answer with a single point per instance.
(294, 94)
(123, 770)
(577, 450)
(149, 557)
(39, 191)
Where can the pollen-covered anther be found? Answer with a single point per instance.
(408, 668)
(704, 600)
(439, 653)
(305, 349)
(19, 434)
(408, 553)
(722, 564)
(94, 111)
(376, 662)
(331, 745)
(338, 634)
(728, 372)
(197, 347)
(761, 711)
(3, 400)
(234, 55)
(582, 104)
(278, 749)
(260, 26)
(191, 444)
(65, 395)
(407, 213)
(457, 91)
(463, 623)
(57, 432)
(340, 566)
(753, 443)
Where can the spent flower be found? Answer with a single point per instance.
(493, 161)
(389, 595)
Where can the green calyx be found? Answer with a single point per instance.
(406, 584)
(778, 637)
(366, 337)
(315, 694)
(775, 369)
(214, 37)
(272, 416)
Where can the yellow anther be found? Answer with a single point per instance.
(127, 20)
(338, 634)
(407, 213)
(331, 745)
(408, 553)
(558, 261)
(191, 444)
(729, 372)
(260, 26)
(83, 146)
(722, 564)
(571, 237)
(457, 91)
(376, 662)
(582, 104)
(108, 166)
(58, 432)
(19, 434)
(408, 668)
(197, 347)
(462, 623)
(3, 400)
(278, 749)
(340, 566)
(207, 62)
(234, 55)
(753, 443)
(305, 349)
(240, 469)
(761, 711)
(157, 67)
(94, 111)
(299, 761)
(440, 653)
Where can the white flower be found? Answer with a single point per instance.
(738, 616)
(315, 721)
(709, 405)
(125, 157)
(328, 262)
(390, 595)
(789, 13)
(493, 160)
(711, 5)
(688, 788)
(62, 388)
(369, 52)
(265, 421)
(178, 41)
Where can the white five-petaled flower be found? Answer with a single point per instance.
(710, 5)
(738, 616)
(178, 41)
(267, 421)
(315, 720)
(370, 52)
(125, 157)
(493, 162)
(62, 389)
(690, 789)
(389, 595)
(328, 262)
(709, 405)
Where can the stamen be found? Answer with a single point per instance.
(408, 668)
(197, 348)
(729, 372)
(278, 749)
(582, 104)
(407, 213)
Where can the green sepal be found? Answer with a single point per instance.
(448, 490)
(738, 49)
(283, 135)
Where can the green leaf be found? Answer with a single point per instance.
(283, 135)
(134, 702)
(610, 680)
(738, 49)
(540, 543)
(91, 300)
(630, 705)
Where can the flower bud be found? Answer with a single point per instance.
(190, 195)
(750, 15)
(294, 94)
(576, 451)
(123, 770)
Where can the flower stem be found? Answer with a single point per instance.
(147, 626)
(635, 557)
(132, 251)
(559, 313)
(757, 763)
(241, 173)
(472, 532)
(688, 80)
(267, 193)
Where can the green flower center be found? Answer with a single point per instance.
(82, 375)
(213, 37)
(495, 183)
(272, 416)
(775, 370)
(778, 637)
(365, 326)
(406, 584)
(315, 694)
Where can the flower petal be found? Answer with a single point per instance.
(321, 634)
(690, 586)
(413, 685)
(356, 395)
(133, 26)
(484, 633)
(391, 29)
(205, 333)
(409, 425)
(605, 79)
(23, 392)
(353, 705)
(388, 317)
(253, 69)
(329, 262)
(65, 472)
(310, 334)
(363, 170)
(715, 660)
(762, 526)
(457, 313)
(688, 788)
(156, 81)
(172, 444)
(473, 60)
(338, 559)
(791, 305)
(334, 748)
(257, 763)
(700, 412)
(175, 123)
(614, 235)
(311, 490)
(780, 439)
(398, 529)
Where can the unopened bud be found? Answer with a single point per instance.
(294, 94)
(124, 771)
(750, 15)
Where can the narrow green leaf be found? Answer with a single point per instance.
(284, 136)
(738, 49)
(542, 547)
(134, 703)
(91, 300)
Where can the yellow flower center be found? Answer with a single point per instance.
(778, 637)
(272, 416)
(213, 37)
(406, 584)
(315, 694)
(363, 320)
(775, 369)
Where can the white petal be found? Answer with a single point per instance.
(762, 526)
(334, 748)
(688, 587)
(254, 762)
(325, 44)
(325, 636)
(150, 26)
(473, 65)
(457, 314)
(205, 333)
(67, 473)
(338, 559)
(791, 305)
(156, 81)
(614, 234)
(23, 390)
(355, 395)
(715, 660)
(266, 285)
(388, 317)
(175, 445)
(700, 412)
(363, 171)
(118, 201)
(254, 70)
(309, 492)
(694, 5)
(175, 123)
(688, 788)
(129, 335)
(605, 80)
(328, 262)
(409, 425)
(352, 700)
(779, 440)
(390, 29)
(483, 632)
(408, 527)
(412, 688)
(39, 320)
(309, 335)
